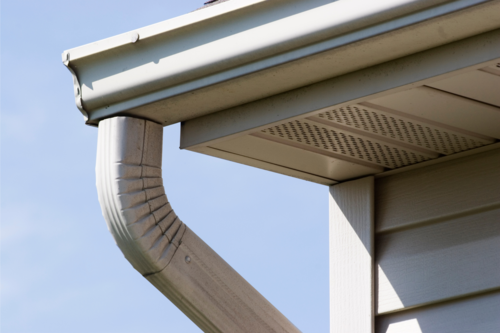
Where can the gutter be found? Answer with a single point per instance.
(177, 60)
(160, 246)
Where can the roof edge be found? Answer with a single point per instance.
(156, 29)
(138, 78)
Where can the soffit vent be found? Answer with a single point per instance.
(403, 129)
(371, 137)
(342, 144)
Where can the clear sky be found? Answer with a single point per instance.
(60, 268)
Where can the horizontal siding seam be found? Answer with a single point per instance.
(440, 302)
(437, 219)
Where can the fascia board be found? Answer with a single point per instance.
(116, 78)
(356, 87)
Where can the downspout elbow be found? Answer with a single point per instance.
(162, 248)
(131, 193)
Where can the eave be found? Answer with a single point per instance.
(451, 91)
(322, 91)
(242, 51)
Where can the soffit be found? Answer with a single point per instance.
(424, 120)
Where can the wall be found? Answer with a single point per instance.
(437, 247)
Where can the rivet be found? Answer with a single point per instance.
(134, 37)
(187, 259)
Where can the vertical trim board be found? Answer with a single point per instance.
(351, 256)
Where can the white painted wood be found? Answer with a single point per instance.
(452, 188)
(445, 108)
(479, 314)
(351, 256)
(478, 85)
(294, 158)
(439, 261)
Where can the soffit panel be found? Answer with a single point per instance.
(296, 158)
(399, 129)
(439, 107)
(481, 85)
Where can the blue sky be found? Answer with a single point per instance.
(60, 268)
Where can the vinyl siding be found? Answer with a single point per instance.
(438, 247)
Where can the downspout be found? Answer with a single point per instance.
(161, 247)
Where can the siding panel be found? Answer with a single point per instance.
(438, 261)
(438, 233)
(424, 195)
(478, 314)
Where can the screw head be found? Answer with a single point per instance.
(187, 259)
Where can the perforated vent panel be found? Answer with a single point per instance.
(375, 137)
(346, 144)
(402, 129)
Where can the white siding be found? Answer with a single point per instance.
(442, 190)
(478, 314)
(438, 239)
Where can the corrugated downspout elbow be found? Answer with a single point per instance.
(162, 248)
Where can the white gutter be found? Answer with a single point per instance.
(132, 73)
(162, 248)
